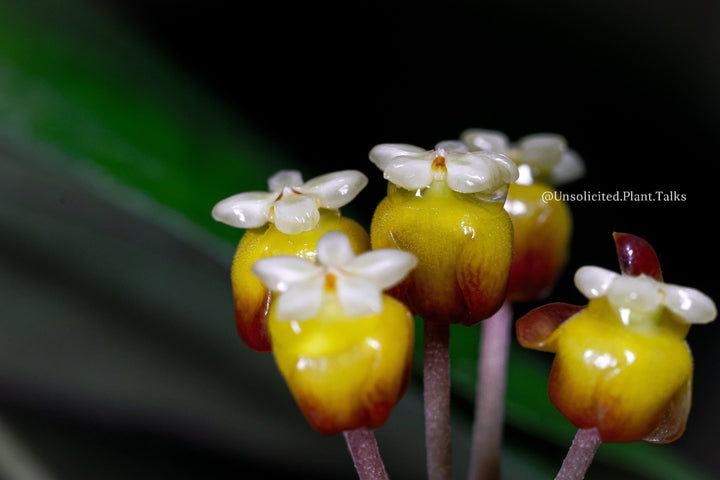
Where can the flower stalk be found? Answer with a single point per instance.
(365, 454)
(581, 454)
(436, 386)
(490, 395)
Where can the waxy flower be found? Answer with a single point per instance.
(288, 220)
(343, 347)
(622, 364)
(542, 224)
(446, 207)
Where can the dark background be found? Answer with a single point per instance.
(633, 86)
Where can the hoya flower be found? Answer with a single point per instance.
(622, 364)
(446, 207)
(288, 220)
(343, 347)
(542, 223)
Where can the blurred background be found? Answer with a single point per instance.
(123, 122)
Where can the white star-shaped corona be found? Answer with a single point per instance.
(293, 206)
(541, 152)
(414, 168)
(358, 281)
(645, 294)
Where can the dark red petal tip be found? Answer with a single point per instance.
(538, 324)
(636, 256)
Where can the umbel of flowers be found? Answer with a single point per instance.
(622, 365)
(287, 220)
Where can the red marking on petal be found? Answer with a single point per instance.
(538, 324)
(637, 256)
(252, 326)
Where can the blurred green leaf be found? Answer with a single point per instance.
(116, 306)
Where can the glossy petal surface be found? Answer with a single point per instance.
(345, 374)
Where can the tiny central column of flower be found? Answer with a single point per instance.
(439, 170)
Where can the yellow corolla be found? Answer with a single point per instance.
(288, 220)
(343, 347)
(542, 223)
(446, 207)
(622, 364)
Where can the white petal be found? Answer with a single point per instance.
(358, 297)
(245, 210)
(593, 281)
(409, 172)
(301, 301)
(542, 150)
(384, 267)
(453, 146)
(284, 178)
(296, 213)
(382, 154)
(480, 172)
(570, 168)
(334, 250)
(690, 304)
(639, 293)
(280, 272)
(486, 140)
(333, 190)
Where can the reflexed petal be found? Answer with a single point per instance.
(672, 425)
(593, 281)
(301, 301)
(690, 304)
(385, 267)
(636, 256)
(535, 327)
(569, 169)
(359, 297)
(485, 140)
(542, 150)
(245, 210)
(409, 172)
(382, 154)
(296, 213)
(637, 293)
(333, 249)
(284, 178)
(333, 190)
(480, 172)
(279, 272)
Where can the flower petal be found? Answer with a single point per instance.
(569, 169)
(593, 281)
(636, 256)
(301, 301)
(410, 172)
(334, 249)
(535, 327)
(296, 213)
(358, 296)
(542, 150)
(480, 172)
(382, 154)
(672, 425)
(384, 267)
(245, 210)
(284, 178)
(690, 304)
(485, 140)
(280, 272)
(639, 293)
(333, 190)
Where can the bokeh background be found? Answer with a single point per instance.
(123, 122)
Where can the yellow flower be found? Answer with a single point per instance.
(542, 223)
(288, 220)
(343, 347)
(446, 207)
(622, 364)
